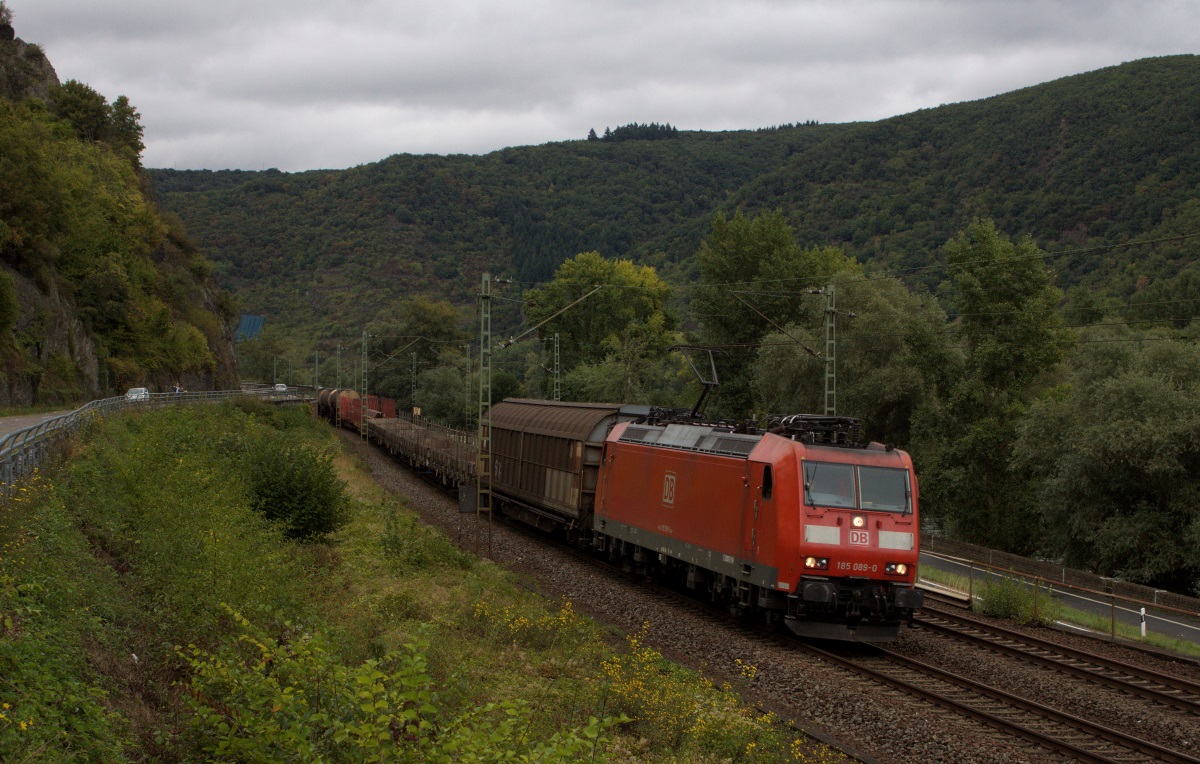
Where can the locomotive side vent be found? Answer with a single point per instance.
(694, 437)
(734, 446)
(639, 435)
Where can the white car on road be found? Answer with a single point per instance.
(137, 394)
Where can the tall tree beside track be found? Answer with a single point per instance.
(1116, 456)
(754, 277)
(630, 306)
(891, 357)
(414, 344)
(1013, 339)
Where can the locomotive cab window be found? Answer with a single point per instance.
(829, 485)
(767, 482)
(885, 489)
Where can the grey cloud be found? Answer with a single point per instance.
(304, 83)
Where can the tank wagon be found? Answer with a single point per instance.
(800, 523)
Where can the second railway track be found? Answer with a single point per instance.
(1047, 727)
(1159, 687)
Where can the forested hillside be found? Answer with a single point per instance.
(98, 291)
(1106, 157)
(342, 246)
(1103, 157)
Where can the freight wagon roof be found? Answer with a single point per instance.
(576, 421)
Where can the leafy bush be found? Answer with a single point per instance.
(130, 553)
(673, 708)
(261, 699)
(1013, 599)
(52, 708)
(297, 486)
(532, 624)
(161, 498)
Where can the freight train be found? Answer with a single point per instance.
(797, 522)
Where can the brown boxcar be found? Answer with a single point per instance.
(546, 456)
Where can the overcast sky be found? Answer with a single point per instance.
(304, 84)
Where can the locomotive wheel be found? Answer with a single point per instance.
(715, 590)
(772, 619)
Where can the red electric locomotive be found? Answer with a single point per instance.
(799, 523)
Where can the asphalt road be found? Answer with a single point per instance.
(11, 424)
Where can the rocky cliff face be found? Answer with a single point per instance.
(58, 351)
(59, 362)
(24, 69)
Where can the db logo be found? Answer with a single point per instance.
(669, 489)
(860, 538)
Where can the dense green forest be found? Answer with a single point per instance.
(1013, 283)
(98, 290)
(1096, 159)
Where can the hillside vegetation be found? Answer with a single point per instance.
(1100, 158)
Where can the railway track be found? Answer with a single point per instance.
(1045, 726)
(1155, 686)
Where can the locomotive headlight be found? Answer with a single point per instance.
(896, 569)
(816, 563)
(858, 521)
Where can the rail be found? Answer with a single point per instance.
(23, 451)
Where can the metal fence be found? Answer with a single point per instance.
(1053, 572)
(25, 450)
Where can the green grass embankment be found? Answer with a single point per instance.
(224, 583)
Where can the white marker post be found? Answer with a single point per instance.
(1143, 623)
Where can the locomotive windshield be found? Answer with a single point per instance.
(829, 485)
(847, 486)
(884, 489)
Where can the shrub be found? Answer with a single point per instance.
(52, 706)
(674, 709)
(297, 486)
(529, 623)
(1013, 599)
(253, 406)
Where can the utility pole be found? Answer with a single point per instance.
(413, 403)
(557, 367)
(339, 366)
(362, 420)
(483, 459)
(830, 353)
(830, 348)
(467, 390)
